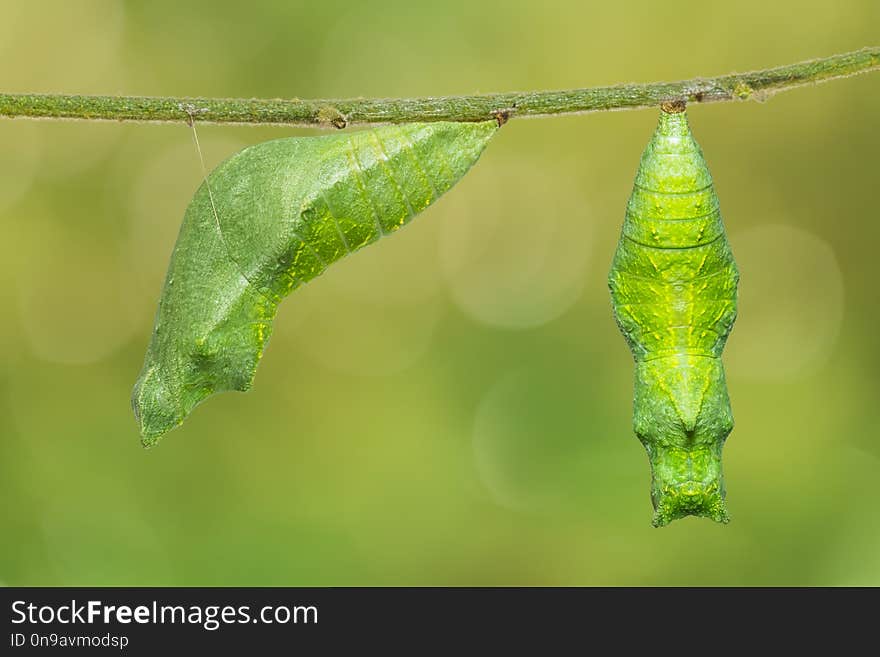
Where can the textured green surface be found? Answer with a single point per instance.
(673, 287)
(267, 220)
(341, 112)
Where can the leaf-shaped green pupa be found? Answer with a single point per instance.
(267, 220)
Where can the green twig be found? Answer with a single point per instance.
(757, 85)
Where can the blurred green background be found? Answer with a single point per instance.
(451, 405)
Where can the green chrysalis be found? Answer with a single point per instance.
(267, 220)
(673, 288)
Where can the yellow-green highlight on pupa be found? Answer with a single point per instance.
(673, 289)
(264, 222)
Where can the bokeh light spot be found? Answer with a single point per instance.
(790, 303)
(515, 249)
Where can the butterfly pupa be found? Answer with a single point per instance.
(673, 287)
(265, 221)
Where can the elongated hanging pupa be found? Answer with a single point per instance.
(264, 222)
(674, 289)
